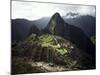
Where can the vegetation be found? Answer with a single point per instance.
(52, 49)
(39, 48)
(21, 67)
(93, 39)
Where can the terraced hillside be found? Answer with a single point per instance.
(48, 49)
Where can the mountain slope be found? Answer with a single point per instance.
(42, 53)
(21, 28)
(58, 27)
(86, 23)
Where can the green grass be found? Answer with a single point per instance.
(48, 41)
(62, 51)
(31, 38)
(46, 38)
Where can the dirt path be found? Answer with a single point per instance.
(49, 67)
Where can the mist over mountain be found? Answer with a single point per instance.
(42, 22)
(72, 15)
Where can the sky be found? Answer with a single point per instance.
(35, 10)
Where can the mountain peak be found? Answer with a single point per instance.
(56, 14)
(55, 21)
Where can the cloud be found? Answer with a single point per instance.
(35, 10)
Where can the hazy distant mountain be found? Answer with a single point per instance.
(86, 23)
(34, 29)
(42, 22)
(57, 26)
(20, 29)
